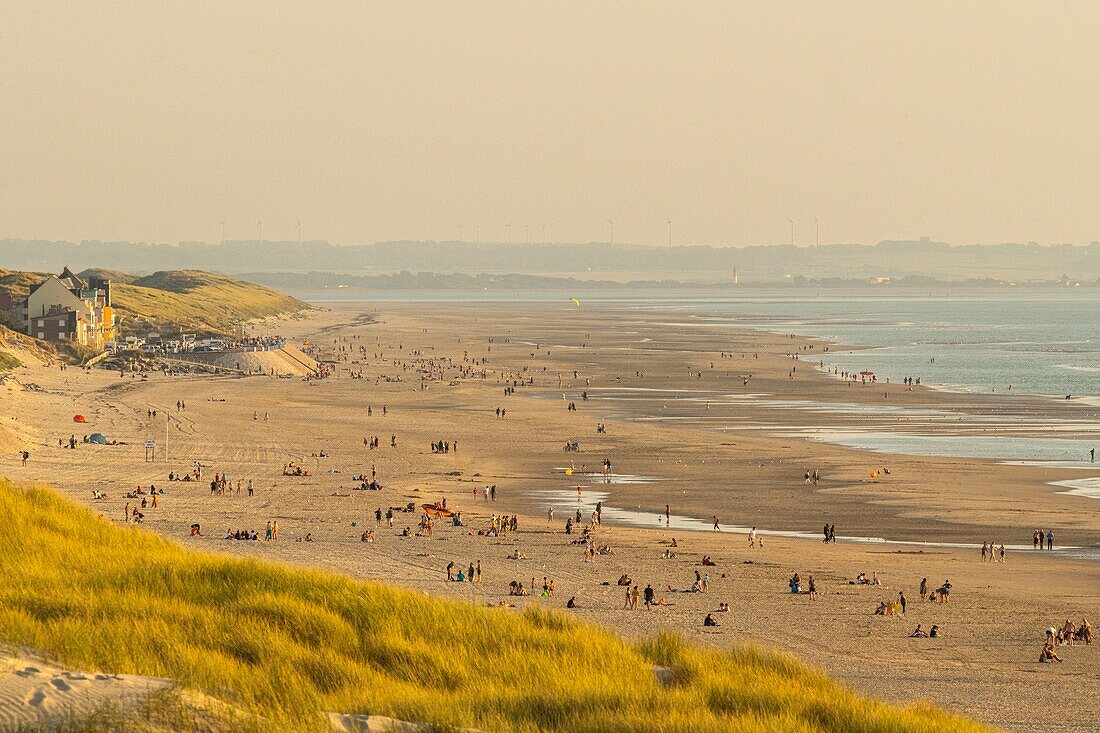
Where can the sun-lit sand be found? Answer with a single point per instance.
(35, 692)
(730, 461)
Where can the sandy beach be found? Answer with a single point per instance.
(709, 421)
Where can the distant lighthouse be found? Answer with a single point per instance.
(735, 281)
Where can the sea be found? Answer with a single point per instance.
(1025, 342)
(1039, 342)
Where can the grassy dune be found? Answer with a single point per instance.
(284, 645)
(196, 301)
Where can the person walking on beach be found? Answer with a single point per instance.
(1092, 455)
(648, 596)
(25, 455)
(550, 515)
(813, 589)
(901, 601)
(634, 594)
(1050, 539)
(716, 527)
(924, 589)
(752, 538)
(668, 515)
(1042, 538)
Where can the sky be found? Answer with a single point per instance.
(971, 122)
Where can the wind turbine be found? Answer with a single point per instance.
(260, 228)
(477, 235)
(460, 232)
(817, 232)
(299, 233)
(544, 232)
(792, 230)
(525, 234)
(612, 231)
(670, 231)
(223, 231)
(509, 226)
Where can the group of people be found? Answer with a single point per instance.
(991, 552)
(1038, 537)
(471, 574)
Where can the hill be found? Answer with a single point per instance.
(191, 300)
(282, 646)
(196, 301)
(103, 273)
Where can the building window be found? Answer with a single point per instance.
(41, 335)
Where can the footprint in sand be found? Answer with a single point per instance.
(36, 698)
(28, 672)
(60, 684)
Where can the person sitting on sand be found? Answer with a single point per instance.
(517, 555)
(668, 554)
(624, 579)
(919, 632)
(707, 561)
(795, 583)
(1084, 632)
(710, 620)
(723, 608)
(1048, 654)
(572, 602)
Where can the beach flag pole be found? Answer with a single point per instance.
(166, 425)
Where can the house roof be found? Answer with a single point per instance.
(71, 281)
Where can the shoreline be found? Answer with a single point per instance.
(747, 477)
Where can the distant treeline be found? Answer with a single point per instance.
(755, 264)
(312, 282)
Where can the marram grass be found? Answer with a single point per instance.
(283, 645)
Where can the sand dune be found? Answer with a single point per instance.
(35, 692)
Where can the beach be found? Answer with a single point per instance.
(706, 419)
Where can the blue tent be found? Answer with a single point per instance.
(99, 438)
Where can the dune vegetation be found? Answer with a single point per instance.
(280, 646)
(174, 300)
(194, 301)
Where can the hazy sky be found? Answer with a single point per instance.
(970, 122)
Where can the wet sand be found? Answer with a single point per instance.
(731, 463)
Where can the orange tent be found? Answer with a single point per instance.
(79, 418)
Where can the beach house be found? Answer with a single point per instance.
(65, 308)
